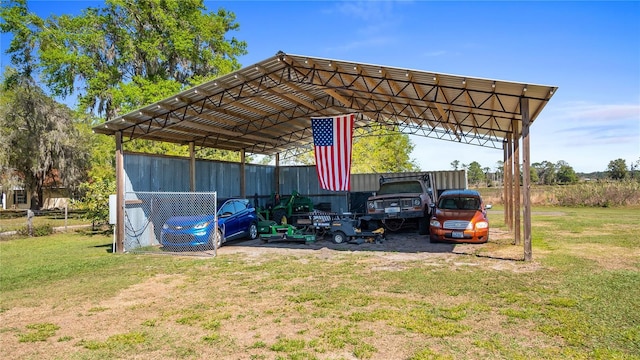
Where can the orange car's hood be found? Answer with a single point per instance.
(457, 214)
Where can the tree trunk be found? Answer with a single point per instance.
(39, 183)
(40, 198)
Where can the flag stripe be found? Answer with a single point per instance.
(333, 140)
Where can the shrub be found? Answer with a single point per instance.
(591, 194)
(599, 194)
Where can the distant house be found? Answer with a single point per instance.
(15, 197)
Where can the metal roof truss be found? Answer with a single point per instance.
(266, 108)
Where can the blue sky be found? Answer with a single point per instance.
(590, 50)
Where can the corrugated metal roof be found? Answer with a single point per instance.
(266, 108)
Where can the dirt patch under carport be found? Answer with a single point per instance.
(407, 245)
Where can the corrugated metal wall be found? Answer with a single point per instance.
(171, 174)
(223, 177)
(453, 179)
(155, 173)
(259, 180)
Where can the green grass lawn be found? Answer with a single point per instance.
(66, 296)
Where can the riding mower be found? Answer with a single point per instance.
(349, 230)
(288, 206)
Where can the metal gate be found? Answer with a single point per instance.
(184, 222)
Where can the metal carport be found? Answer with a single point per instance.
(265, 109)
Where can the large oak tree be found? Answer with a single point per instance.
(40, 141)
(115, 58)
(381, 150)
(125, 54)
(133, 52)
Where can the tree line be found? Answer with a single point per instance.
(548, 173)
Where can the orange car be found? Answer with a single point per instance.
(460, 216)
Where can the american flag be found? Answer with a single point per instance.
(332, 138)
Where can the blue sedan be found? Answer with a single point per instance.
(237, 218)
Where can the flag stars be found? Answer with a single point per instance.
(323, 132)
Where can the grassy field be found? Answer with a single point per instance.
(66, 296)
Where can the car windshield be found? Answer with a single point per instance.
(401, 187)
(231, 207)
(459, 203)
(227, 209)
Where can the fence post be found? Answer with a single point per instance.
(30, 215)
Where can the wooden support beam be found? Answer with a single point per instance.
(192, 167)
(516, 182)
(508, 183)
(119, 194)
(277, 175)
(243, 180)
(505, 194)
(526, 163)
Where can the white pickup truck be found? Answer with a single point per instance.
(402, 202)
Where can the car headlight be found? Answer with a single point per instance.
(417, 202)
(165, 226)
(482, 225)
(371, 205)
(434, 223)
(201, 225)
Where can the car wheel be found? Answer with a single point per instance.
(372, 225)
(393, 225)
(211, 243)
(339, 237)
(278, 214)
(253, 231)
(217, 241)
(423, 225)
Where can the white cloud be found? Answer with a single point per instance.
(436, 53)
(586, 135)
(585, 124)
(583, 111)
(365, 10)
(361, 44)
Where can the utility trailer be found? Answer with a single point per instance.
(348, 229)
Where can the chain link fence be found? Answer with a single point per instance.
(184, 222)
